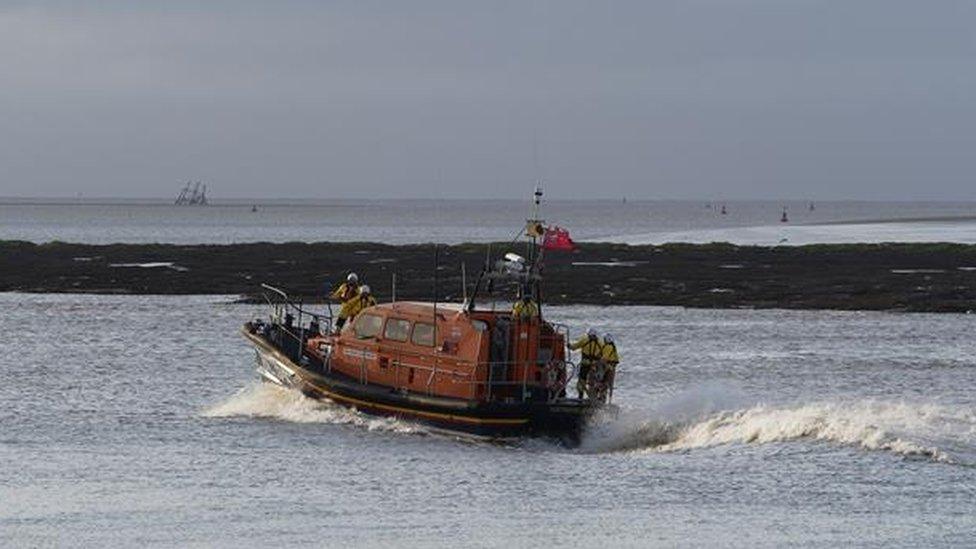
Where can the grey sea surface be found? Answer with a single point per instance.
(137, 421)
(454, 221)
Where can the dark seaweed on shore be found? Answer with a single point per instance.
(907, 277)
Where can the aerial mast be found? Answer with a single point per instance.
(538, 199)
(535, 229)
(533, 225)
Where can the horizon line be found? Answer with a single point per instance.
(63, 199)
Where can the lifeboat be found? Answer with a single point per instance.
(473, 368)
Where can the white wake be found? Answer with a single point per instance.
(929, 430)
(706, 417)
(265, 400)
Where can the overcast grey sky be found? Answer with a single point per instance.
(656, 99)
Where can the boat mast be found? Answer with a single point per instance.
(526, 274)
(533, 227)
(181, 199)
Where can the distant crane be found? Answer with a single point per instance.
(193, 194)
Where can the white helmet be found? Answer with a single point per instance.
(591, 332)
(352, 278)
(364, 289)
(608, 338)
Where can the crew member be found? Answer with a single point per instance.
(347, 290)
(592, 351)
(346, 293)
(610, 360)
(352, 307)
(525, 308)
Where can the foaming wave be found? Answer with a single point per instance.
(926, 430)
(897, 427)
(266, 400)
(633, 429)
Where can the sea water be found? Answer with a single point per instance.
(454, 221)
(133, 420)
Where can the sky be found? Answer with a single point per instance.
(658, 99)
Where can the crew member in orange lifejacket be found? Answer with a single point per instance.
(592, 351)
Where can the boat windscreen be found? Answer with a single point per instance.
(423, 334)
(397, 329)
(368, 325)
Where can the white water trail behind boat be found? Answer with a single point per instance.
(706, 416)
(938, 432)
(265, 400)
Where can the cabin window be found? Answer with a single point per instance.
(423, 334)
(368, 326)
(397, 329)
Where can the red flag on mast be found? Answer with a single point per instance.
(557, 238)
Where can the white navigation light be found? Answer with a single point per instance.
(514, 262)
(514, 258)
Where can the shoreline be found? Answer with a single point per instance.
(914, 277)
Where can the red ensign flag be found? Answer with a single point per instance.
(557, 238)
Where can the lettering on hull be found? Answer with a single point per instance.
(359, 353)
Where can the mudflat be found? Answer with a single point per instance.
(904, 277)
